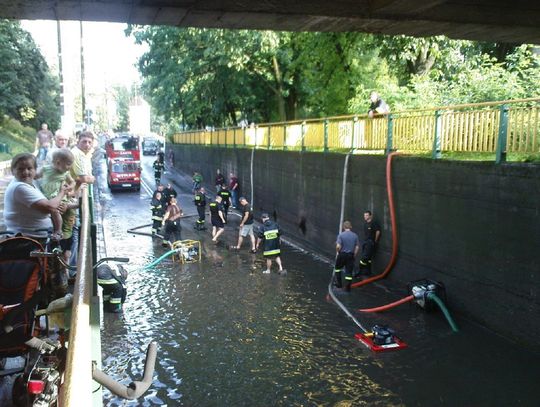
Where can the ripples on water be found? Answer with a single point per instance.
(231, 336)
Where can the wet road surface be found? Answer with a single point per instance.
(231, 336)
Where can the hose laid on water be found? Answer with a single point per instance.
(161, 258)
(440, 303)
(330, 285)
(251, 176)
(388, 306)
(394, 227)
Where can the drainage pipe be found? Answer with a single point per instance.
(251, 176)
(393, 223)
(388, 306)
(330, 285)
(432, 296)
(160, 259)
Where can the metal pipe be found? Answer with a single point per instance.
(136, 388)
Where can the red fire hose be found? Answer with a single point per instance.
(394, 227)
(388, 306)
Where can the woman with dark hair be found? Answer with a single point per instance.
(26, 209)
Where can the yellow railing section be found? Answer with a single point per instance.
(492, 127)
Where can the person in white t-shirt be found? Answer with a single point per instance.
(26, 209)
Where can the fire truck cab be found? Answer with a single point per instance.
(123, 173)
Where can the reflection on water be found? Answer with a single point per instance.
(230, 336)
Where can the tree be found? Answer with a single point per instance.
(122, 98)
(195, 78)
(28, 91)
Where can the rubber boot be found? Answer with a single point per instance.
(337, 280)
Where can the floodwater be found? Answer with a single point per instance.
(229, 335)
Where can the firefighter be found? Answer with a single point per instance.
(169, 192)
(217, 217)
(158, 166)
(157, 211)
(372, 234)
(113, 283)
(347, 247)
(225, 195)
(200, 203)
(270, 233)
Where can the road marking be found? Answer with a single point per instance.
(146, 187)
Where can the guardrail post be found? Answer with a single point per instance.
(325, 124)
(436, 152)
(353, 133)
(389, 140)
(284, 137)
(256, 135)
(302, 129)
(500, 155)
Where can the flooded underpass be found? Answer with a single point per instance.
(231, 336)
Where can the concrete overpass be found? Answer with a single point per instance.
(490, 20)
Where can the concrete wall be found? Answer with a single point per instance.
(474, 226)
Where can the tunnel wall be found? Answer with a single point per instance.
(474, 226)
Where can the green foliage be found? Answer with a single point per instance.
(200, 77)
(28, 92)
(122, 97)
(19, 138)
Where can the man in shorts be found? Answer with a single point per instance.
(246, 225)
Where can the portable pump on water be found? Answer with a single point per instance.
(381, 338)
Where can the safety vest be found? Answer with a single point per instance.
(270, 233)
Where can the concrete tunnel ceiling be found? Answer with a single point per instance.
(482, 20)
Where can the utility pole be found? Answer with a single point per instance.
(83, 99)
(60, 76)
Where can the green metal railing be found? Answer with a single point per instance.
(494, 128)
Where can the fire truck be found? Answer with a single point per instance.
(123, 162)
(124, 146)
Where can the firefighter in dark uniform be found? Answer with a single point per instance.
(113, 283)
(372, 233)
(217, 217)
(158, 166)
(269, 234)
(168, 193)
(225, 195)
(347, 247)
(157, 212)
(200, 202)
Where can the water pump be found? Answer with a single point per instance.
(422, 291)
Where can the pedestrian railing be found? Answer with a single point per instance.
(492, 128)
(84, 338)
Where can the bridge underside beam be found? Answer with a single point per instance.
(490, 20)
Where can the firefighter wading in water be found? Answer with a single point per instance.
(200, 202)
(113, 283)
(269, 233)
